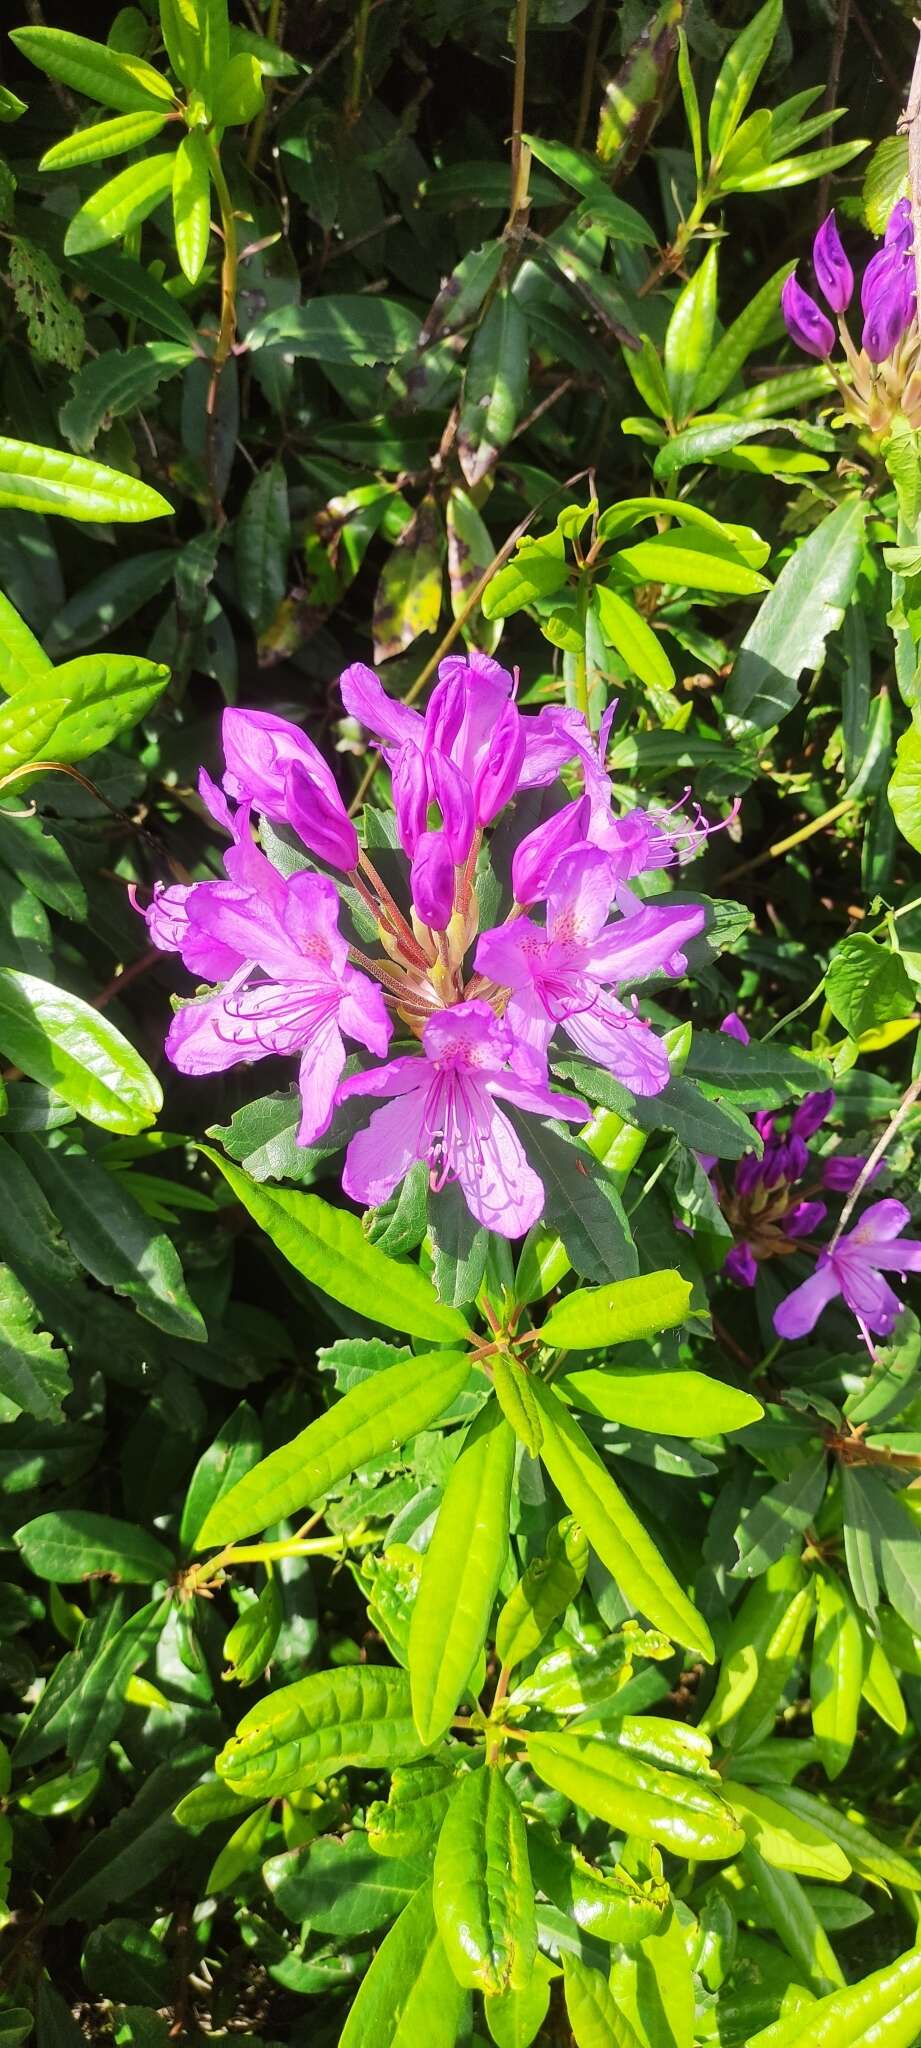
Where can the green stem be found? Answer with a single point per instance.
(228, 326)
(273, 35)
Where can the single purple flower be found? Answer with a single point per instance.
(899, 227)
(811, 1113)
(304, 998)
(557, 973)
(889, 300)
(442, 1109)
(842, 1170)
(536, 855)
(854, 1269)
(741, 1265)
(836, 278)
(433, 881)
(271, 764)
(805, 322)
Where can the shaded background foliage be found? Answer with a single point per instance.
(315, 501)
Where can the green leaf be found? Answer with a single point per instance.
(410, 1994)
(35, 479)
(609, 1905)
(214, 32)
(179, 29)
(495, 386)
(234, 1452)
(11, 106)
(624, 629)
(885, 181)
(694, 559)
(128, 1854)
(379, 1414)
(681, 1404)
(515, 2018)
(71, 1544)
(191, 187)
(617, 1314)
(776, 1522)
(103, 603)
(896, 1543)
(782, 173)
(33, 1371)
(886, 2004)
(612, 1528)
(538, 568)
(329, 1247)
(109, 76)
(866, 984)
(97, 1707)
(545, 1591)
(118, 278)
(103, 139)
(739, 73)
(461, 1573)
(341, 1886)
(483, 1894)
(691, 104)
(112, 384)
(359, 1716)
(709, 440)
(593, 2013)
(410, 1820)
(689, 336)
(249, 1644)
(123, 1960)
(407, 600)
(120, 205)
(22, 658)
(76, 709)
(685, 1814)
(241, 1854)
(262, 541)
(513, 1393)
(238, 96)
(869, 1856)
(67, 1046)
(807, 603)
(343, 329)
(756, 1634)
(904, 792)
(794, 1920)
(785, 1840)
(837, 1673)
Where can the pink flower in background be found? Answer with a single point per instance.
(854, 1268)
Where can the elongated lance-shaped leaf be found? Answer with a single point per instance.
(612, 1527)
(104, 139)
(120, 205)
(794, 1920)
(591, 2009)
(377, 1416)
(111, 77)
(359, 1715)
(666, 1403)
(484, 1896)
(739, 73)
(64, 1043)
(884, 2007)
(329, 1247)
(34, 479)
(808, 601)
(63, 714)
(685, 1814)
(410, 1995)
(618, 1313)
(837, 1672)
(192, 204)
(463, 1565)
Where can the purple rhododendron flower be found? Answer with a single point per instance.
(559, 974)
(805, 321)
(291, 990)
(443, 1110)
(854, 1268)
(834, 273)
(272, 765)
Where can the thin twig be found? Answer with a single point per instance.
(911, 125)
(780, 846)
(521, 42)
(592, 43)
(830, 99)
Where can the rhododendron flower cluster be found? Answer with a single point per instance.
(775, 1205)
(479, 1011)
(884, 375)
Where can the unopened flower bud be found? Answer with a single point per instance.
(499, 772)
(433, 881)
(410, 795)
(319, 818)
(836, 278)
(805, 322)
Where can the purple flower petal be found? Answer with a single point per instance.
(733, 1026)
(799, 1314)
(803, 1218)
(836, 278)
(741, 1265)
(811, 1113)
(432, 878)
(805, 322)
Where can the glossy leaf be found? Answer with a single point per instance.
(410, 1994)
(71, 1543)
(837, 1672)
(545, 1591)
(191, 189)
(689, 336)
(785, 1840)
(594, 1316)
(483, 1894)
(262, 541)
(674, 1403)
(789, 634)
(103, 139)
(627, 632)
(461, 1572)
(120, 205)
(374, 1418)
(33, 1369)
(100, 73)
(341, 1886)
(595, 2018)
(494, 387)
(513, 1393)
(613, 1529)
(697, 560)
(34, 479)
(65, 1044)
(686, 1815)
(359, 1715)
(329, 1247)
(739, 73)
(238, 95)
(340, 329)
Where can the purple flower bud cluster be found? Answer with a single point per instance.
(774, 1204)
(887, 291)
(478, 1011)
